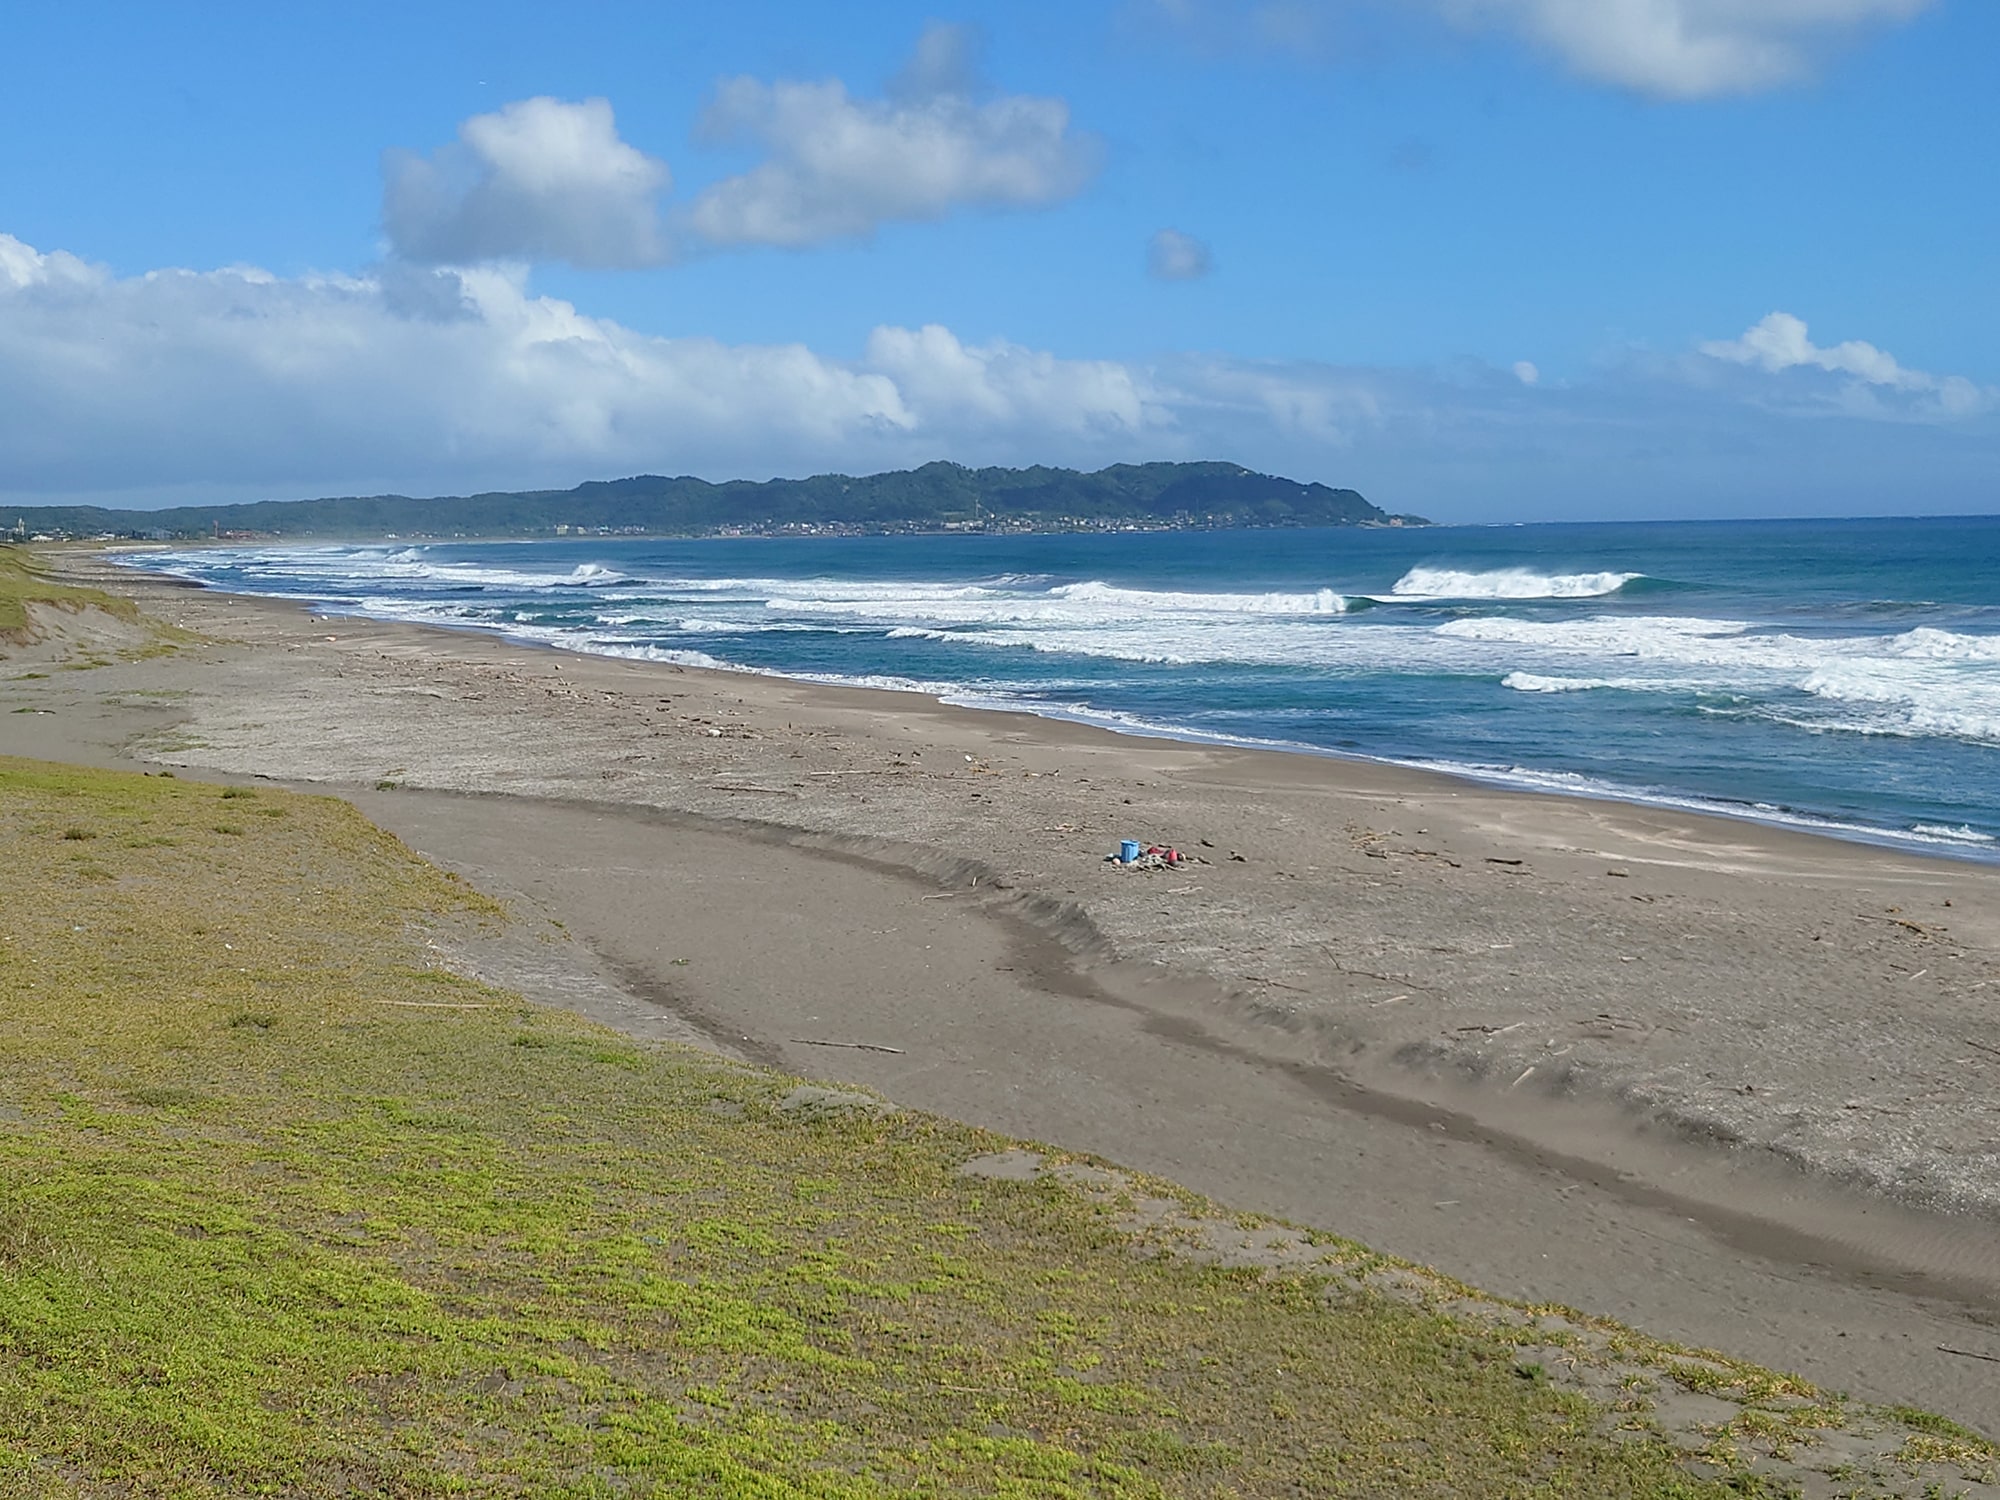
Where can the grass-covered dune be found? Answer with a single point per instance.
(24, 580)
(288, 1208)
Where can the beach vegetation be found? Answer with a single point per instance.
(25, 580)
(28, 587)
(291, 1204)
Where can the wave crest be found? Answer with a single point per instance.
(1507, 583)
(1320, 602)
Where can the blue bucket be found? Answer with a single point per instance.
(1128, 850)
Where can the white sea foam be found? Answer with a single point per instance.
(1926, 642)
(1155, 601)
(1949, 834)
(1925, 682)
(1092, 604)
(1535, 682)
(356, 569)
(1506, 583)
(1911, 699)
(1664, 637)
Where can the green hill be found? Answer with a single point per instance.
(938, 496)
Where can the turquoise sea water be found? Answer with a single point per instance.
(1840, 673)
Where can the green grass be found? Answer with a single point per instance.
(24, 581)
(287, 1209)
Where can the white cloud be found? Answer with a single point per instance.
(1174, 256)
(838, 167)
(538, 180)
(547, 180)
(1781, 342)
(237, 377)
(235, 383)
(443, 378)
(1002, 387)
(1671, 49)
(1687, 49)
(944, 61)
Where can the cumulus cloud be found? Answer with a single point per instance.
(442, 377)
(538, 180)
(1174, 256)
(837, 167)
(1781, 342)
(240, 384)
(1671, 49)
(548, 180)
(1003, 387)
(1687, 49)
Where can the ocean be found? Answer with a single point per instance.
(1836, 675)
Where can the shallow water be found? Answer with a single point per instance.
(1843, 674)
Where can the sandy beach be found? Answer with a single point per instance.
(1733, 1084)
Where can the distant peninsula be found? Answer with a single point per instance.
(936, 497)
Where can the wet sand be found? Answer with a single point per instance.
(1733, 1084)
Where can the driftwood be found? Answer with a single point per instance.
(1917, 927)
(806, 1041)
(1991, 1359)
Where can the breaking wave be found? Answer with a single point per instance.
(1500, 666)
(1506, 583)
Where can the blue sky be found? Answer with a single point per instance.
(1482, 259)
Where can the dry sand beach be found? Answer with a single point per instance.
(1736, 1085)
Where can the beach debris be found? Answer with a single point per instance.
(1919, 928)
(807, 1041)
(1969, 1354)
(1133, 855)
(1494, 859)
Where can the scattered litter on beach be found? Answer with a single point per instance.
(1132, 855)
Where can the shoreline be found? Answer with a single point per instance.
(1938, 843)
(1667, 834)
(1515, 779)
(1555, 1046)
